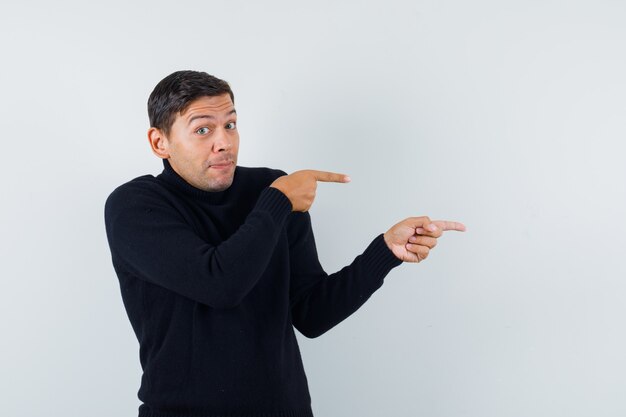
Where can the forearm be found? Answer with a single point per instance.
(231, 269)
(330, 299)
(151, 240)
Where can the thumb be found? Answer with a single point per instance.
(423, 222)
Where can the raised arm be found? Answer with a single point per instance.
(150, 239)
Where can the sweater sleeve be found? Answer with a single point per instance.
(150, 239)
(319, 301)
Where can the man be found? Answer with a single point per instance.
(217, 263)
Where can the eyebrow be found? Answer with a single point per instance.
(208, 116)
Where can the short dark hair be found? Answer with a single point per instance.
(174, 93)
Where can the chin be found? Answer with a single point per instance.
(223, 185)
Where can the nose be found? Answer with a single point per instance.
(222, 142)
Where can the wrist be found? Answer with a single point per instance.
(387, 241)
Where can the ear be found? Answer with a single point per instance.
(158, 142)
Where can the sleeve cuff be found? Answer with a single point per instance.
(378, 258)
(275, 202)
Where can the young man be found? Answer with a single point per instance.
(217, 264)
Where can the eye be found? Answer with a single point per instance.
(233, 124)
(202, 131)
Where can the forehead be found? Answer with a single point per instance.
(209, 105)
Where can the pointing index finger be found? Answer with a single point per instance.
(442, 225)
(327, 176)
(450, 225)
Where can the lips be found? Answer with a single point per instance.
(220, 163)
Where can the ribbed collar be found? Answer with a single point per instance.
(173, 178)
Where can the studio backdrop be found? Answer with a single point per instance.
(506, 116)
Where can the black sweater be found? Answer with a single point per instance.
(213, 284)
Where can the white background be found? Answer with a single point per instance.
(507, 116)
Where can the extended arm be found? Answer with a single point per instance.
(320, 301)
(150, 239)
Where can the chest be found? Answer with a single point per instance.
(216, 223)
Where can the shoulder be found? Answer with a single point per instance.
(262, 176)
(143, 184)
(145, 189)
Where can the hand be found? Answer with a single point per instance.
(300, 186)
(412, 239)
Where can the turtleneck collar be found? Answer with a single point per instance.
(173, 178)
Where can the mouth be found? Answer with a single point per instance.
(221, 165)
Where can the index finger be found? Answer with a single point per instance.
(327, 176)
(449, 225)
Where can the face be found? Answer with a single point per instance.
(203, 143)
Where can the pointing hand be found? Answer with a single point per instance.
(300, 186)
(412, 239)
